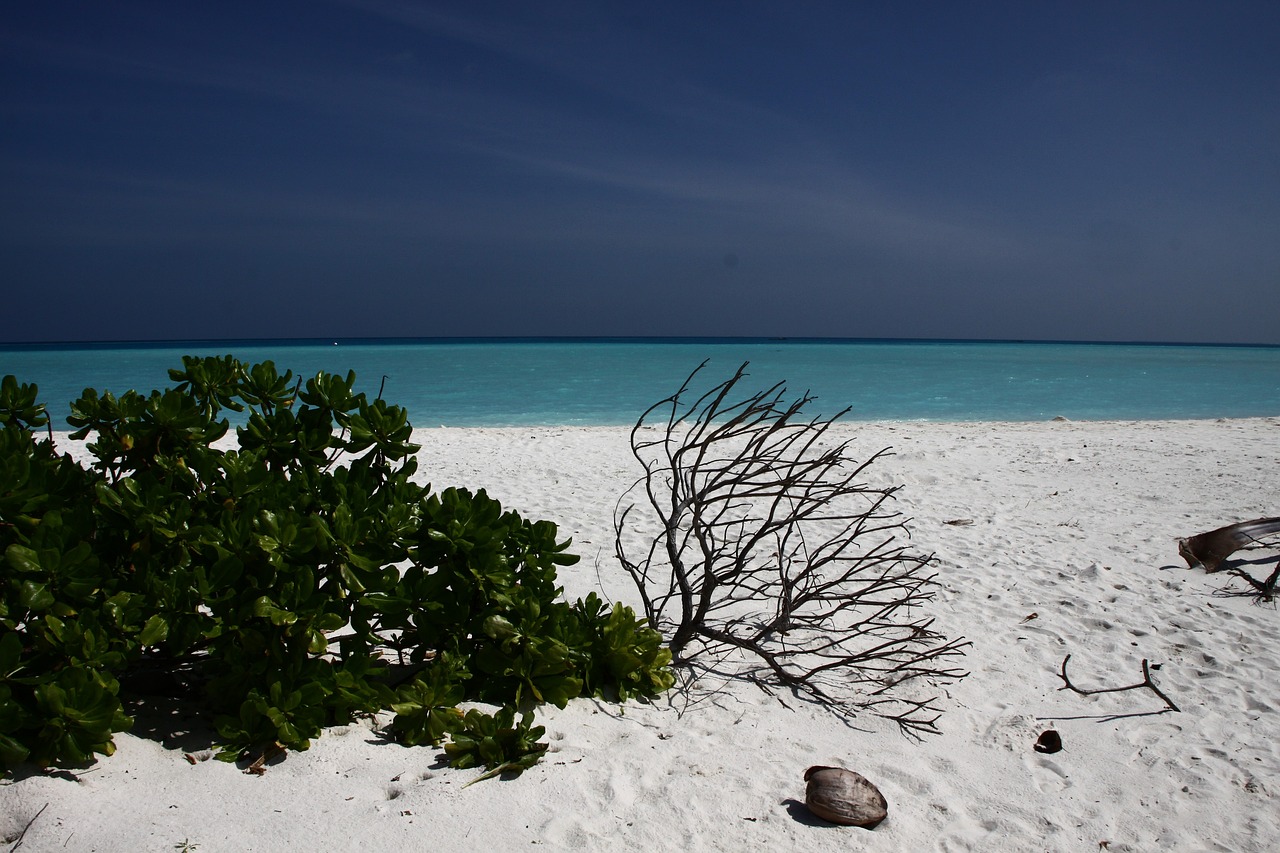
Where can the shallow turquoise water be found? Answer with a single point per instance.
(516, 382)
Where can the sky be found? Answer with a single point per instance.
(364, 168)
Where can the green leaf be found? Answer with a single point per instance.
(500, 628)
(12, 751)
(317, 643)
(154, 632)
(35, 596)
(23, 559)
(267, 608)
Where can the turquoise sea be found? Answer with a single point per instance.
(505, 382)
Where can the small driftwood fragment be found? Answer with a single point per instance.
(259, 765)
(1146, 682)
(1211, 549)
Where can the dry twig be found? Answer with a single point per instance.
(18, 841)
(259, 765)
(1146, 682)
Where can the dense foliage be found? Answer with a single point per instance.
(293, 573)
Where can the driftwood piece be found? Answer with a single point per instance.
(1211, 549)
(1262, 592)
(1146, 682)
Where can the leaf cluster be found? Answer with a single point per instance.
(294, 567)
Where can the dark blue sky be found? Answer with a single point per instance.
(1096, 171)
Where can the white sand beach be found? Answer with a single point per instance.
(1071, 550)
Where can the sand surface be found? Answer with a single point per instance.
(1073, 524)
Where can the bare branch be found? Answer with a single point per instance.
(1146, 682)
(1262, 592)
(768, 542)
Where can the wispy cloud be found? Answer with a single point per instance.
(666, 137)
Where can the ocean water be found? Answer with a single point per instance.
(600, 382)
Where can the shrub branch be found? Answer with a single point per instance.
(770, 542)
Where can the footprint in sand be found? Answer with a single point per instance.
(1048, 775)
(622, 793)
(565, 832)
(1013, 732)
(920, 786)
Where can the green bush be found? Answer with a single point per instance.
(296, 568)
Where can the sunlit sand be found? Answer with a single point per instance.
(1052, 539)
